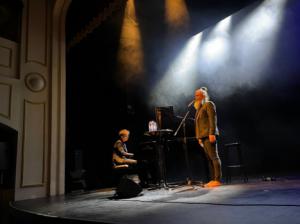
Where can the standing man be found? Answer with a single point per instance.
(206, 131)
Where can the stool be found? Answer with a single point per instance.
(119, 171)
(236, 164)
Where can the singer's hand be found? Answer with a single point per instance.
(200, 142)
(212, 138)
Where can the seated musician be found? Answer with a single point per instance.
(124, 159)
(121, 156)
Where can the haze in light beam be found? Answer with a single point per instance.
(179, 78)
(130, 54)
(176, 14)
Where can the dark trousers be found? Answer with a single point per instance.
(214, 162)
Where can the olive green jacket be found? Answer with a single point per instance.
(206, 120)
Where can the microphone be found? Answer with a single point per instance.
(191, 103)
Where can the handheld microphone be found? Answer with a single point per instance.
(191, 103)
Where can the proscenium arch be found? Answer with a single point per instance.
(58, 98)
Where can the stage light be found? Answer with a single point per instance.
(223, 26)
(130, 54)
(215, 49)
(227, 59)
(185, 62)
(255, 40)
(176, 14)
(235, 57)
(263, 22)
(179, 76)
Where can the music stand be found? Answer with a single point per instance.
(189, 179)
(160, 146)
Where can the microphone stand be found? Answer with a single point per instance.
(183, 125)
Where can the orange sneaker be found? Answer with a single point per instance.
(208, 184)
(213, 183)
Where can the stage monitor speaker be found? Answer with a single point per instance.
(127, 188)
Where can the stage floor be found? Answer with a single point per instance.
(254, 202)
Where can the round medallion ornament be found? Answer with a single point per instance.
(35, 82)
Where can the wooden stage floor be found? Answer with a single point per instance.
(257, 201)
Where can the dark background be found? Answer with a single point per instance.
(264, 119)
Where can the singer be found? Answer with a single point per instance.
(206, 131)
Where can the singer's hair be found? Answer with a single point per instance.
(204, 90)
(124, 132)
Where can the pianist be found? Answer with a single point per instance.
(122, 158)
